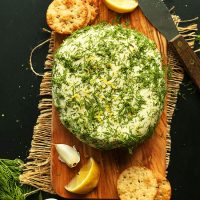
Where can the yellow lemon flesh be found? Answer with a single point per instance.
(86, 179)
(121, 6)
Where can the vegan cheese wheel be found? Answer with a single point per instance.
(109, 86)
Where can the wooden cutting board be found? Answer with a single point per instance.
(151, 154)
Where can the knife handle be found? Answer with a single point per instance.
(189, 58)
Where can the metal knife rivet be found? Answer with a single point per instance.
(180, 44)
(192, 61)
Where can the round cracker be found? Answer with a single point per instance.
(137, 183)
(93, 5)
(89, 13)
(164, 190)
(66, 16)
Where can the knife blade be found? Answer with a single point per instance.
(159, 16)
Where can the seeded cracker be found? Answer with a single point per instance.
(164, 190)
(93, 5)
(137, 183)
(92, 9)
(66, 16)
(89, 15)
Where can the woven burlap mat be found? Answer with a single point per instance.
(37, 169)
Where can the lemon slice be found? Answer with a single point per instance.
(121, 6)
(86, 179)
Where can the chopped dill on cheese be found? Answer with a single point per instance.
(109, 86)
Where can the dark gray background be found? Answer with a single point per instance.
(21, 23)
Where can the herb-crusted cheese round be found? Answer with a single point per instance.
(108, 86)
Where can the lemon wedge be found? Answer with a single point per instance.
(86, 179)
(121, 6)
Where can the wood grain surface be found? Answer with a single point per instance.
(152, 153)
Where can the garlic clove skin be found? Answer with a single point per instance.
(68, 154)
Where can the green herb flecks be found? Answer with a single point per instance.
(105, 79)
(118, 18)
(198, 38)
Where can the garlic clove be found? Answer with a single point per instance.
(59, 158)
(68, 154)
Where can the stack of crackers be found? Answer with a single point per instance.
(66, 16)
(141, 183)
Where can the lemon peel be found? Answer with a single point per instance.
(121, 6)
(86, 179)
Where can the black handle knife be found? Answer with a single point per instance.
(159, 16)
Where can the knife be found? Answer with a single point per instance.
(159, 16)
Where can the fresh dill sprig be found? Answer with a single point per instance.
(198, 38)
(10, 186)
(40, 196)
